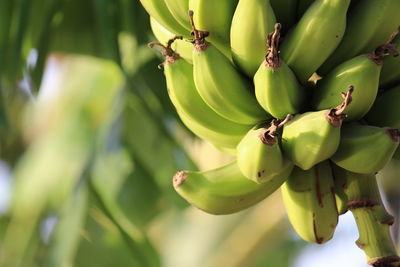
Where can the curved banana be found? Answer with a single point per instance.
(159, 10)
(225, 190)
(363, 73)
(315, 37)
(364, 34)
(276, 86)
(196, 114)
(215, 17)
(310, 203)
(252, 21)
(365, 149)
(386, 110)
(179, 10)
(184, 48)
(390, 74)
(221, 86)
(285, 12)
(225, 140)
(259, 154)
(313, 137)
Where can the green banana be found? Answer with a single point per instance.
(226, 140)
(315, 37)
(179, 10)
(276, 87)
(386, 110)
(221, 86)
(390, 74)
(372, 220)
(340, 183)
(285, 12)
(313, 137)
(196, 114)
(365, 149)
(183, 47)
(259, 154)
(363, 72)
(369, 25)
(225, 190)
(310, 203)
(252, 20)
(159, 10)
(215, 17)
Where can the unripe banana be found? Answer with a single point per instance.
(310, 203)
(369, 25)
(184, 48)
(225, 190)
(259, 154)
(159, 10)
(340, 182)
(315, 37)
(363, 72)
(225, 140)
(285, 12)
(365, 149)
(386, 110)
(215, 17)
(313, 137)
(276, 86)
(179, 10)
(252, 20)
(193, 111)
(390, 74)
(221, 86)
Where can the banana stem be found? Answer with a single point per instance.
(386, 49)
(335, 116)
(272, 57)
(372, 220)
(199, 42)
(268, 136)
(170, 55)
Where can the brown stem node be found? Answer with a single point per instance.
(272, 57)
(170, 55)
(199, 36)
(385, 50)
(385, 261)
(268, 136)
(335, 115)
(394, 134)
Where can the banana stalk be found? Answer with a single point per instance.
(372, 220)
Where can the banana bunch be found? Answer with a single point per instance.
(305, 94)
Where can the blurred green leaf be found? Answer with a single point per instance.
(104, 244)
(66, 235)
(151, 147)
(63, 137)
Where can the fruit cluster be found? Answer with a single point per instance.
(308, 105)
